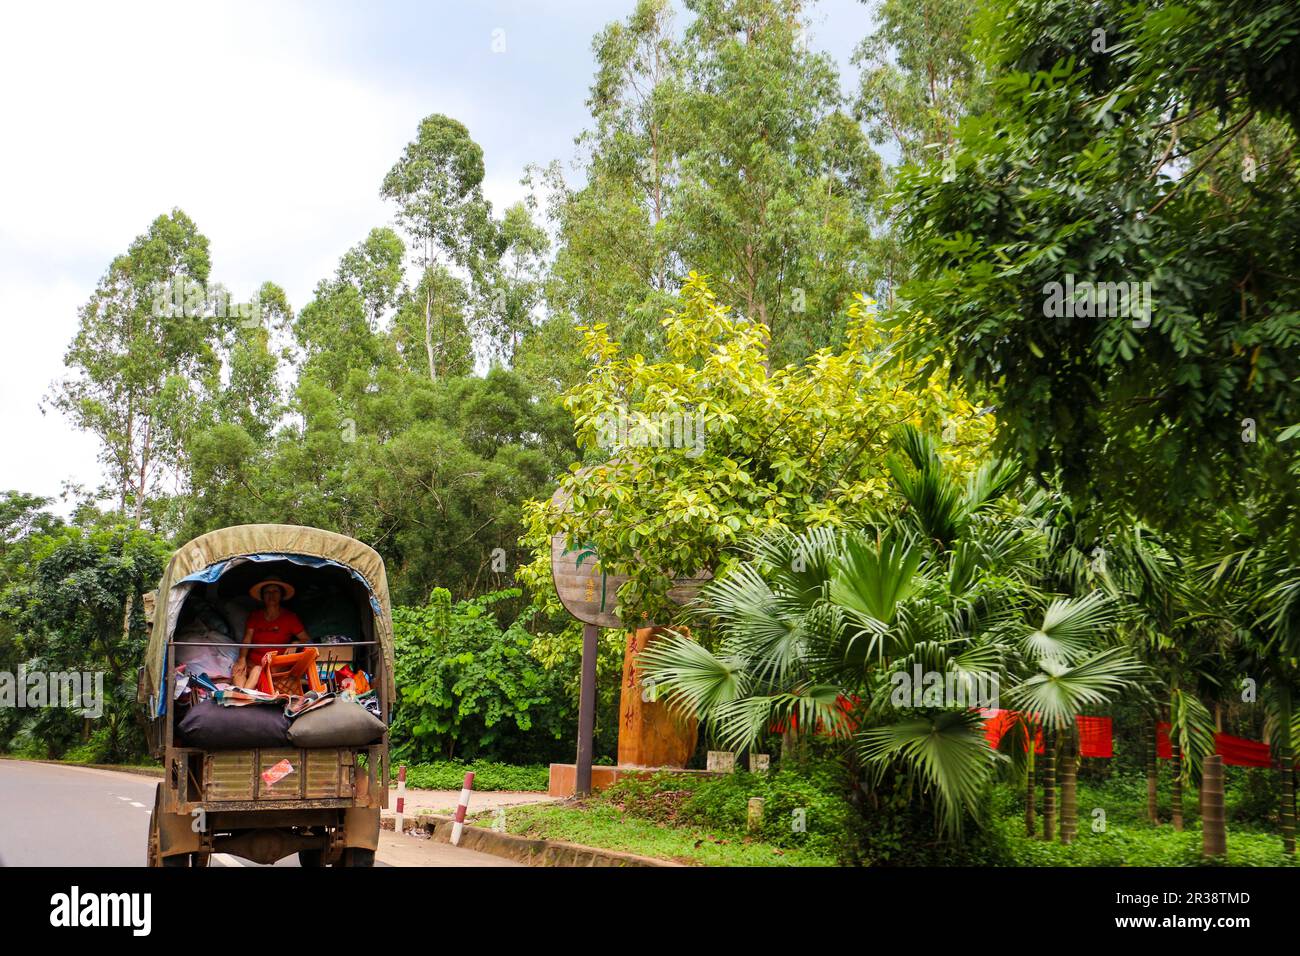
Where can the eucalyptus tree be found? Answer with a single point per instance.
(437, 185)
(725, 149)
(776, 181)
(374, 267)
(145, 339)
(918, 77)
(508, 306)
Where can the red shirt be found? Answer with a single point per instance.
(283, 629)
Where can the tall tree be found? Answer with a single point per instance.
(918, 76)
(437, 185)
(515, 285)
(145, 338)
(724, 150)
(1109, 251)
(917, 80)
(374, 266)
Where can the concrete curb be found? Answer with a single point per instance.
(529, 851)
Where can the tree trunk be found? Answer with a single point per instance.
(1069, 792)
(1049, 784)
(1178, 786)
(428, 334)
(1288, 802)
(1030, 793)
(1287, 817)
(1153, 778)
(428, 309)
(1214, 830)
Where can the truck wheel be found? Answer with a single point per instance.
(356, 856)
(310, 859)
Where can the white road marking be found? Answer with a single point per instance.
(225, 859)
(140, 805)
(125, 799)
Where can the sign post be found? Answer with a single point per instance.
(586, 710)
(591, 595)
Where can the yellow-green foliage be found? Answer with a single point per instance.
(794, 447)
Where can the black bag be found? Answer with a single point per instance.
(209, 726)
(340, 723)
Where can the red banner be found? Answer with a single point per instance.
(1235, 751)
(1095, 738)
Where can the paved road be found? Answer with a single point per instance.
(53, 815)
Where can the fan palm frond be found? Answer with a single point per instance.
(1070, 627)
(947, 752)
(873, 579)
(1061, 692)
(689, 678)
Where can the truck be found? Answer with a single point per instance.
(265, 803)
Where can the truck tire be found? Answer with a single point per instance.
(356, 856)
(310, 859)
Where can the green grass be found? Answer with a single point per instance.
(1121, 835)
(488, 775)
(697, 820)
(700, 821)
(598, 823)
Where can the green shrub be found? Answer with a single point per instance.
(1253, 796)
(469, 686)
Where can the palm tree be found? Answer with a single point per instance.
(944, 585)
(1260, 591)
(1072, 671)
(1279, 616)
(1174, 629)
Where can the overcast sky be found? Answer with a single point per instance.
(271, 125)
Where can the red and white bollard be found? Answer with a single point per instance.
(401, 798)
(458, 827)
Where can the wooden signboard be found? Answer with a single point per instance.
(586, 592)
(591, 595)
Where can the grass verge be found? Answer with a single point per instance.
(597, 823)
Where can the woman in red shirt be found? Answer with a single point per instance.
(271, 624)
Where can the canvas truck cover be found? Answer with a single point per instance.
(210, 555)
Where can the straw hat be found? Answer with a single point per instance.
(286, 589)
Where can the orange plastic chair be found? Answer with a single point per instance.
(283, 673)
